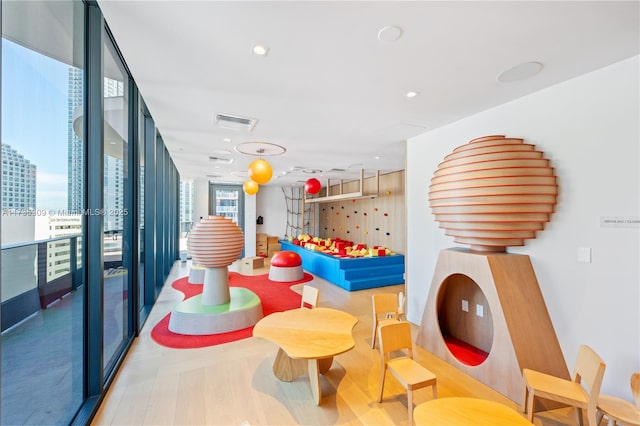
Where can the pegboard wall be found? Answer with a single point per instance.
(372, 221)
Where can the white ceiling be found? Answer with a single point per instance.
(329, 91)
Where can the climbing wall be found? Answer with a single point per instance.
(372, 221)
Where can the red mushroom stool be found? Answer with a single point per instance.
(286, 266)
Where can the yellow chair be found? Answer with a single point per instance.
(396, 336)
(310, 296)
(588, 371)
(385, 310)
(618, 410)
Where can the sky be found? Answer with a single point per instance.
(34, 118)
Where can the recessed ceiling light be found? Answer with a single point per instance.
(259, 49)
(389, 34)
(520, 72)
(227, 139)
(377, 157)
(411, 94)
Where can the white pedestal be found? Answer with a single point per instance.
(196, 275)
(286, 274)
(216, 286)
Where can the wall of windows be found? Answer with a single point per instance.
(82, 167)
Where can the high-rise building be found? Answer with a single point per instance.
(113, 171)
(186, 205)
(54, 226)
(18, 180)
(75, 181)
(113, 194)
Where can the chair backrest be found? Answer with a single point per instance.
(635, 388)
(310, 296)
(384, 303)
(589, 371)
(395, 336)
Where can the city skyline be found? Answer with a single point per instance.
(36, 87)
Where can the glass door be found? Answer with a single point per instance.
(227, 201)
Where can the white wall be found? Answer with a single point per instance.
(589, 128)
(271, 205)
(200, 199)
(250, 216)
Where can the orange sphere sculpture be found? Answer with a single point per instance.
(260, 171)
(215, 242)
(250, 187)
(492, 193)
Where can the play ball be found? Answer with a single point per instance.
(312, 186)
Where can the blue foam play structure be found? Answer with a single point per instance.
(351, 273)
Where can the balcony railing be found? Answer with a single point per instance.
(37, 273)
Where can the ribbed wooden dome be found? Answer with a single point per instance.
(215, 242)
(492, 193)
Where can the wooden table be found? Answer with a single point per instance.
(466, 411)
(618, 411)
(308, 340)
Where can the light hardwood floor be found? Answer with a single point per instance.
(232, 384)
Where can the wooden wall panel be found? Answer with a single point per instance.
(465, 326)
(371, 221)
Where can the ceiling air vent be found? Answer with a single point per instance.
(221, 160)
(234, 122)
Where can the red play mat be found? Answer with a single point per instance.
(275, 297)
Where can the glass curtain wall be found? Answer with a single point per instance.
(141, 159)
(84, 241)
(116, 257)
(41, 286)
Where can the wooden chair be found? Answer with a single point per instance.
(385, 310)
(588, 370)
(396, 336)
(402, 304)
(310, 296)
(618, 410)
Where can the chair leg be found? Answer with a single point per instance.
(382, 374)
(530, 404)
(435, 391)
(373, 334)
(579, 416)
(524, 398)
(592, 417)
(410, 405)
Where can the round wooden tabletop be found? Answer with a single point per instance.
(619, 410)
(309, 333)
(466, 411)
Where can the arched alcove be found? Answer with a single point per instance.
(514, 315)
(464, 319)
